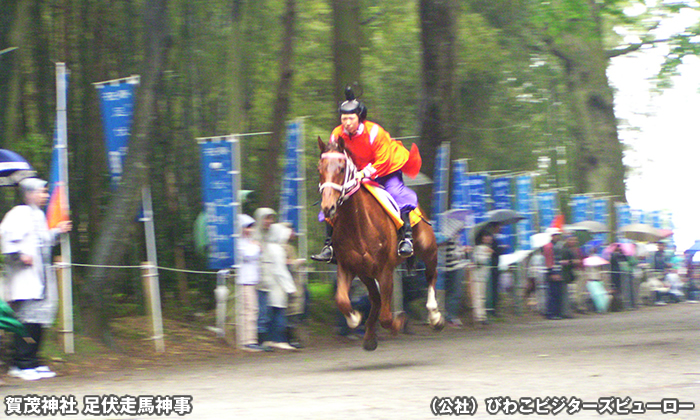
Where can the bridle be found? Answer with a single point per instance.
(350, 184)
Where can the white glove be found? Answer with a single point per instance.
(365, 173)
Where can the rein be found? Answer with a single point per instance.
(350, 184)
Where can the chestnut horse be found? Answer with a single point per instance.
(365, 245)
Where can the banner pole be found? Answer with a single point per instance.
(62, 145)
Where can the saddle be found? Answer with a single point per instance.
(389, 204)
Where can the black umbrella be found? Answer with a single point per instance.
(13, 168)
(503, 216)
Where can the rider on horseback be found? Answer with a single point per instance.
(382, 159)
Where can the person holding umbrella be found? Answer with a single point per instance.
(31, 285)
(552, 257)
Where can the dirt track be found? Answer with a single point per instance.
(646, 355)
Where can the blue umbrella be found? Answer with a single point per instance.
(13, 168)
(693, 249)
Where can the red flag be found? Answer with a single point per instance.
(56, 211)
(558, 222)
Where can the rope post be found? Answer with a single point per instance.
(151, 292)
(221, 293)
(65, 310)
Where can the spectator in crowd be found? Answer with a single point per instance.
(264, 218)
(454, 257)
(280, 284)
(570, 262)
(482, 257)
(552, 257)
(581, 295)
(630, 278)
(660, 267)
(495, 273)
(617, 259)
(537, 270)
(31, 287)
(296, 309)
(246, 283)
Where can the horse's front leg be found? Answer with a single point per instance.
(369, 342)
(342, 299)
(386, 317)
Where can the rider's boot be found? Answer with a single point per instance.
(326, 254)
(406, 235)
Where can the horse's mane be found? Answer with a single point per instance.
(339, 146)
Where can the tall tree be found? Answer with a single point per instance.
(271, 178)
(112, 243)
(577, 40)
(438, 20)
(347, 43)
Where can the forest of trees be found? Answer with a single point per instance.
(507, 82)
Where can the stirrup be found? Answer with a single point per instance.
(326, 255)
(403, 251)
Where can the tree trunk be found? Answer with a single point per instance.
(235, 79)
(347, 43)
(437, 111)
(124, 204)
(271, 178)
(597, 150)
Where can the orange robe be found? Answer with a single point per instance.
(372, 146)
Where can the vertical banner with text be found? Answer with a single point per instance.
(623, 217)
(601, 214)
(500, 192)
(117, 106)
(220, 191)
(546, 204)
(441, 183)
(460, 194)
(478, 184)
(293, 194)
(523, 194)
(580, 208)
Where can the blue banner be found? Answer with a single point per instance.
(580, 208)
(523, 200)
(500, 191)
(219, 169)
(477, 196)
(117, 106)
(460, 189)
(637, 216)
(601, 214)
(624, 216)
(460, 193)
(440, 183)
(655, 217)
(293, 177)
(546, 202)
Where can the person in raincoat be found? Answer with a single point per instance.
(482, 256)
(280, 284)
(30, 282)
(380, 158)
(264, 218)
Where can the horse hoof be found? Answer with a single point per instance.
(401, 323)
(369, 344)
(440, 324)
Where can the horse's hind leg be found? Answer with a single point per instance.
(426, 248)
(342, 299)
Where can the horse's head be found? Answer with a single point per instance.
(336, 176)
